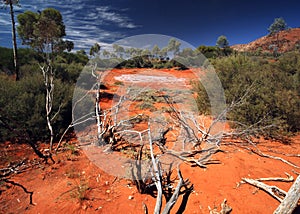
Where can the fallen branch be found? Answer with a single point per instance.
(288, 155)
(157, 179)
(272, 190)
(291, 199)
(260, 153)
(288, 179)
(14, 168)
(188, 157)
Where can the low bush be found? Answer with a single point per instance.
(272, 102)
(22, 114)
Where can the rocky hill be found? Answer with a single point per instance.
(282, 42)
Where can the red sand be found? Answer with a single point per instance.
(75, 185)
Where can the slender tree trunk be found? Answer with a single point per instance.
(48, 75)
(14, 41)
(49, 103)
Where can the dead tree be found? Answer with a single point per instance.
(205, 143)
(48, 75)
(157, 179)
(106, 119)
(90, 116)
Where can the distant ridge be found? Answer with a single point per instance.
(283, 41)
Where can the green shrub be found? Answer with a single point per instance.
(272, 102)
(23, 108)
(6, 60)
(202, 99)
(68, 72)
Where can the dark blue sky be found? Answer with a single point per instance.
(194, 21)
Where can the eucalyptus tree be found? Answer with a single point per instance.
(278, 25)
(222, 42)
(44, 32)
(155, 51)
(95, 49)
(164, 52)
(119, 50)
(146, 53)
(174, 46)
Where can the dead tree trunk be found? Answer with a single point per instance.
(97, 112)
(156, 176)
(291, 199)
(48, 75)
(100, 125)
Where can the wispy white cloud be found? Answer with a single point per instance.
(108, 14)
(90, 42)
(86, 23)
(5, 22)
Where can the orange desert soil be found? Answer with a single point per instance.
(75, 185)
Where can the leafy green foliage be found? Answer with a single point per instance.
(272, 100)
(6, 61)
(155, 51)
(23, 102)
(147, 62)
(44, 31)
(174, 46)
(202, 99)
(278, 25)
(222, 42)
(23, 105)
(214, 52)
(95, 49)
(136, 62)
(67, 66)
